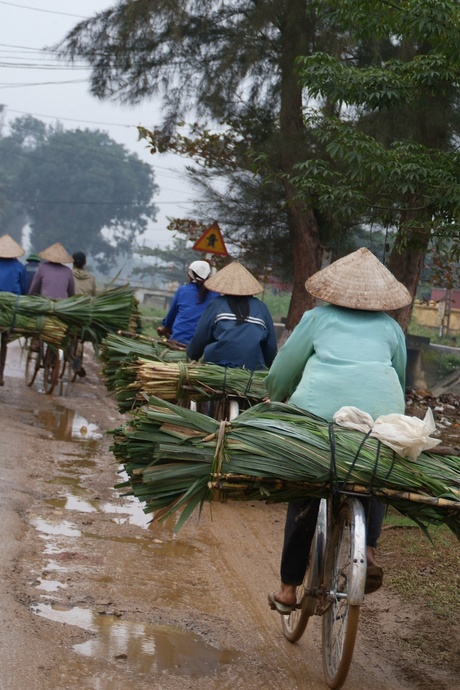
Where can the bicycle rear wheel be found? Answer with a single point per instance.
(294, 625)
(345, 572)
(51, 367)
(33, 361)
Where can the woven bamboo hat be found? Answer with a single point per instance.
(9, 248)
(359, 281)
(56, 254)
(234, 279)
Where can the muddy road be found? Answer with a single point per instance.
(96, 598)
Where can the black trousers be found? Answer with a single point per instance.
(299, 535)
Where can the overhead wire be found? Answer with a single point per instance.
(44, 54)
(38, 9)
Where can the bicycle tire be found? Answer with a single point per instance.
(33, 362)
(345, 572)
(295, 623)
(51, 368)
(66, 375)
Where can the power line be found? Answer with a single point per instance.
(94, 203)
(44, 66)
(37, 9)
(69, 119)
(41, 83)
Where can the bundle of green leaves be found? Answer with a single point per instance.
(175, 458)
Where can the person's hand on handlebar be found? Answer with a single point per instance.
(164, 330)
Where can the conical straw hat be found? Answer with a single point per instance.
(9, 248)
(359, 281)
(234, 279)
(56, 254)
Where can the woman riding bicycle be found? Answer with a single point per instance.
(12, 279)
(53, 279)
(236, 330)
(187, 306)
(348, 352)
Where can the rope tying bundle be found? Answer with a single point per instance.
(336, 486)
(216, 467)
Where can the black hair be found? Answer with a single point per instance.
(79, 259)
(202, 290)
(239, 304)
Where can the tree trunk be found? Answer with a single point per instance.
(303, 226)
(406, 263)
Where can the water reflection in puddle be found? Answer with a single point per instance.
(129, 512)
(145, 648)
(67, 425)
(49, 585)
(64, 528)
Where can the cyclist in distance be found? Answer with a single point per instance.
(12, 279)
(187, 306)
(33, 262)
(348, 352)
(236, 330)
(85, 282)
(53, 279)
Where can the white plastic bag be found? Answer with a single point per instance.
(407, 436)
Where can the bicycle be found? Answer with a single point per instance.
(334, 583)
(72, 361)
(41, 355)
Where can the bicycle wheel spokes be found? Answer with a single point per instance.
(51, 367)
(345, 563)
(33, 362)
(294, 625)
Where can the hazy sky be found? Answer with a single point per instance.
(34, 83)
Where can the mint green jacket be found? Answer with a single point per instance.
(336, 357)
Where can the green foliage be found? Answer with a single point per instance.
(277, 303)
(151, 317)
(431, 333)
(78, 187)
(382, 78)
(448, 364)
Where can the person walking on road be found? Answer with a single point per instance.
(12, 279)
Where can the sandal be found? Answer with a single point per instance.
(275, 605)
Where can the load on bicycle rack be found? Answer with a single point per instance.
(277, 453)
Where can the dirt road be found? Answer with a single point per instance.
(93, 598)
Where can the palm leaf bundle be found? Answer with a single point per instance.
(119, 350)
(173, 381)
(91, 318)
(175, 458)
(23, 322)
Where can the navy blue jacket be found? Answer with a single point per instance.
(219, 339)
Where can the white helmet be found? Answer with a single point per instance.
(199, 270)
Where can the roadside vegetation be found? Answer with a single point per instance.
(425, 573)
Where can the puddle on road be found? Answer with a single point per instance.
(67, 425)
(49, 585)
(144, 647)
(63, 528)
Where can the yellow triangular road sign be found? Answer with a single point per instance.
(211, 241)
